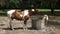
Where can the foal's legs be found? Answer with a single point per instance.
(10, 23)
(25, 22)
(24, 26)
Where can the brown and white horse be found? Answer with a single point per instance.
(20, 15)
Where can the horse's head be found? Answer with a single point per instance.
(33, 11)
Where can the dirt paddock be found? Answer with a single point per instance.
(53, 26)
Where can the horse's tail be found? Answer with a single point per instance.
(9, 13)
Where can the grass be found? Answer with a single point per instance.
(57, 9)
(2, 12)
(40, 10)
(44, 10)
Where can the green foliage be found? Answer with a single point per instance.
(2, 3)
(29, 3)
(14, 1)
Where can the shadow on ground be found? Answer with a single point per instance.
(19, 28)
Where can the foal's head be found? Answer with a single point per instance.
(46, 17)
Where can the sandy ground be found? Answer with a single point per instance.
(52, 27)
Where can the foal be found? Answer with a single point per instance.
(20, 15)
(44, 21)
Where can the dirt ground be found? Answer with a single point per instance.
(53, 26)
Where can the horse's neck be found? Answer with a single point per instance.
(30, 12)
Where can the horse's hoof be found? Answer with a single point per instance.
(25, 29)
(12, 28)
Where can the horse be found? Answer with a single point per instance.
(20, 15)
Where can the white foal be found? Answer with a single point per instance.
(43, 22)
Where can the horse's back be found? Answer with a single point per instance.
(10, 11)
(26, 12)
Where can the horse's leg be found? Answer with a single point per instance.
(10, 23)
(24, 26)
